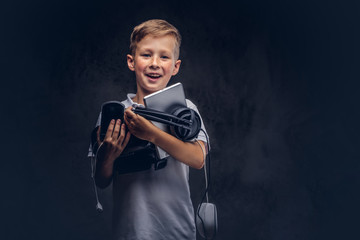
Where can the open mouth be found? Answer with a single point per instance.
(153, 75)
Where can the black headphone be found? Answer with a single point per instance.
(184, 122)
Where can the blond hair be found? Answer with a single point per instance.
(156, 28)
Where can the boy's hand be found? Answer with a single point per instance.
(138, 125)
(114, 142)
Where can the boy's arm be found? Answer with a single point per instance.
(189, 153)
(114, 143)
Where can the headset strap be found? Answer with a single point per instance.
(206, 179)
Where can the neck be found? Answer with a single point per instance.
(139, 97)
(140, 94)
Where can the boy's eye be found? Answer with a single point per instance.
(164, 57)
(145, 55)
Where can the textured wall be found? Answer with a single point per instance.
(276, 84)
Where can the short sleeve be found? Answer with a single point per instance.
(201, 136)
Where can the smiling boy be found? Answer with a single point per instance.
(151, 204)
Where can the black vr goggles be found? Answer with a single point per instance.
(139, 155)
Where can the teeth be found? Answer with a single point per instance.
(153, 75)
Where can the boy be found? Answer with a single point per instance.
(151, 204)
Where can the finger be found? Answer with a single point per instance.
(115, 134)
(126, 120)
(122, 133)
(130, 122)
(110, 129)
(126, 111)
(129, 113)
(126, 140)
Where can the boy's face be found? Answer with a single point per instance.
(154, 63)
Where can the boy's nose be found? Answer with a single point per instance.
(154, 62)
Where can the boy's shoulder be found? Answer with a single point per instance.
(190, 104)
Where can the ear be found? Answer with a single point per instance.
(177, 67)
(130, 62)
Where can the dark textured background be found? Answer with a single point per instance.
(275, 81)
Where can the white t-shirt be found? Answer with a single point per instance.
(154, 204)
